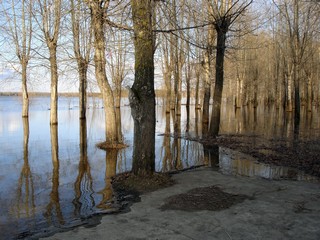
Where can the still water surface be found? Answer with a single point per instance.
(55, 177)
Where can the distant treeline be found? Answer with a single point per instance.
(45, 94)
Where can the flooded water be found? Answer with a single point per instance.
(55, 177)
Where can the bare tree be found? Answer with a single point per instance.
(301, 20)
(82, 41)
(224, 13)
(99, 10)
(19, 21)
(50, 14)
(167, 59)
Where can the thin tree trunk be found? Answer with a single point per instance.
(54, 85)
(178, 87)
(188, 83)
(309, 95)
(197, 103)
(290, 92)
(167, 79)
(25, 97)
(296, 65)
(206, 97)
(207, 69)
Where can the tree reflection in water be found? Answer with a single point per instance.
(177, 164)
(111, 169)
(211, 156)
(166, 156)
(83, 201)
(54, 195)
(26, 203)
(29, 195)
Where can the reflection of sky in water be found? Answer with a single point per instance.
(171, 154)
(14, 166)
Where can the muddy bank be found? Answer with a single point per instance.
(300, 154)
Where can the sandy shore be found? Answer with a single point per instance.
(271, 210)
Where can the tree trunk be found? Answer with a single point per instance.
(206, 97)
(25, 97)
(118, 93)
(309, 95)
(167, 79)
(142, 95)
(178, 87)
(296, 100)
(239, 101)
(119, 125)
(197, 104)
(290, 92)
(188, 104)
(83, 68)
(296, 64)
(54, 85)
(98, 18)
(218, 88)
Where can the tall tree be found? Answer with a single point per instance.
(99, 10)
(207, 66)
(225, 13)
(50, 13)
(142, 95)
(82, 41)
(19, 21)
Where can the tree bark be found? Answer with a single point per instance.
(142, 95)
(309, 95)
(206, 97)
(83, 68)
(25, 97)
(218, 88)
(54, 84)
(197, 103)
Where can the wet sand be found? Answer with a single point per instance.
(268, 210)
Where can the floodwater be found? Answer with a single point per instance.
(54, 178)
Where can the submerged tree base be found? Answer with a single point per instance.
(108, 145)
